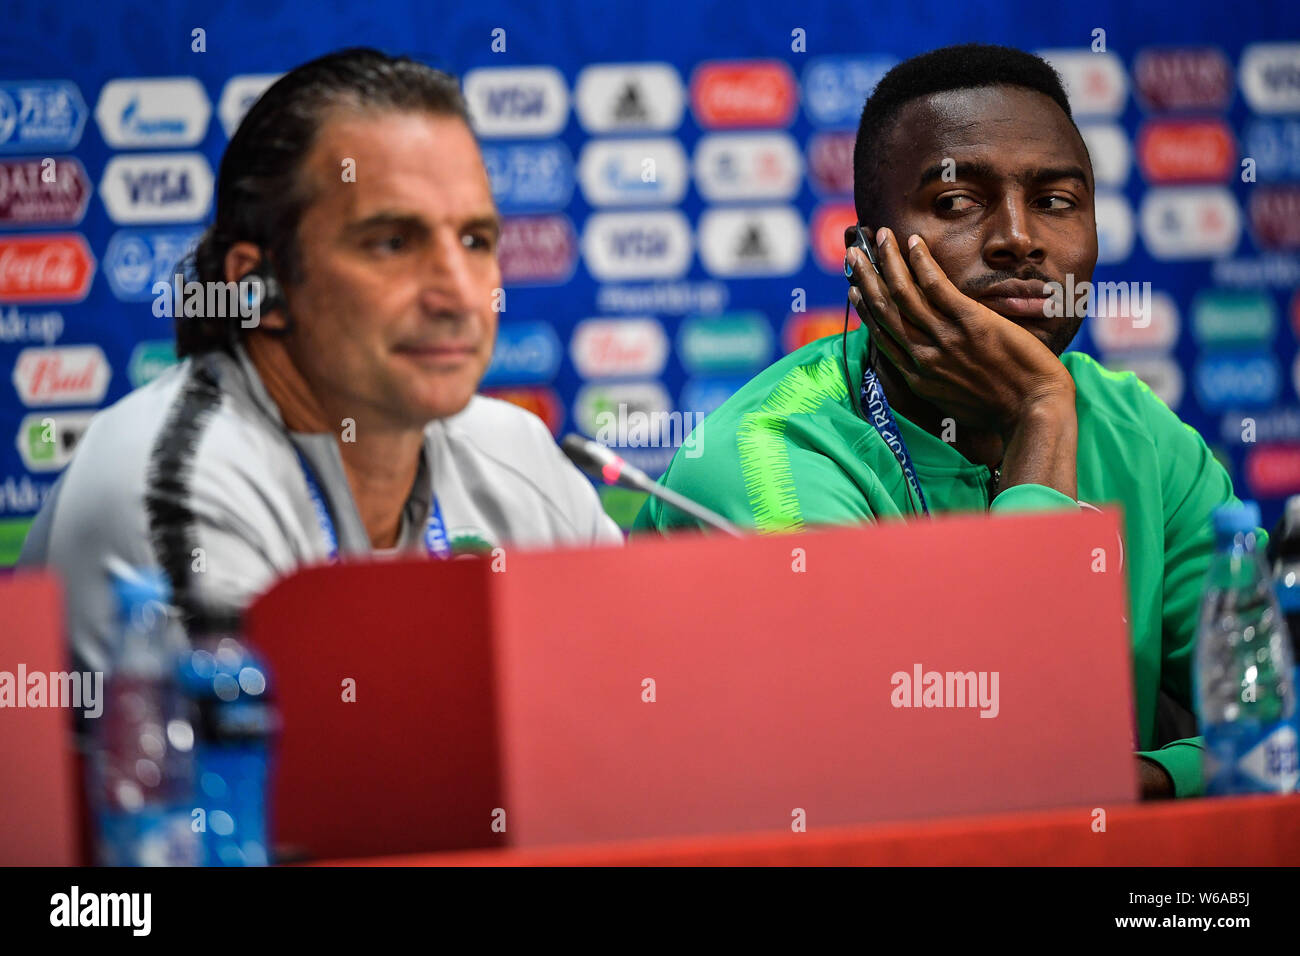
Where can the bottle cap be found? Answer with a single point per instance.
(1237, 518)
(137, 587)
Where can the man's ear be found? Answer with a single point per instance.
(242, 258)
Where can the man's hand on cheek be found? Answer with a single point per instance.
(961, 356)
(971, 363)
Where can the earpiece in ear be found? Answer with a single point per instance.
(859, 242)
(265, 295)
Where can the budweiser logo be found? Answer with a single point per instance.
(610, 348)
(604, 347)
(50, 268)
(75, 375)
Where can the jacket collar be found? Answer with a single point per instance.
(321, 451)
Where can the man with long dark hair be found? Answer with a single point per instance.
(354, 209)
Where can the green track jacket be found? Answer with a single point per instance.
(792, 449)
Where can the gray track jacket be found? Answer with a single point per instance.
(197, 474)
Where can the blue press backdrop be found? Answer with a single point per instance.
(1228, 249)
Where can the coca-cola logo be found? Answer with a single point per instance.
(67, 375)
(1171, 151)
(754, 93)
(56, 268)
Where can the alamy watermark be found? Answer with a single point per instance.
(132, 911)
(638, 429)
(974, 689)
(82, 690)
(210, 300)
(1080, 299)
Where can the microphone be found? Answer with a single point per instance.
(599, 462)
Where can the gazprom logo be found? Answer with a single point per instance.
(526, 353)
(633, 172)
(163, 112)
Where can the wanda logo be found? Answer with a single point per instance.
(55, 268)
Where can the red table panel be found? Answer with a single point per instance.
(1238, 831)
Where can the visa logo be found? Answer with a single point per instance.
(639, 242)
(517, 102)
(1282, 76)
(158, 188)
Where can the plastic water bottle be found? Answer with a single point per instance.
(1285, 543)
(1245, 697)
(142, 772)
(236, 722)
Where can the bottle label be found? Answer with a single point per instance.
(150, 836)
(1241, 758)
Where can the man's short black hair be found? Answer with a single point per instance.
(959, 67)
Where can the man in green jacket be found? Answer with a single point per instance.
(955, 395)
